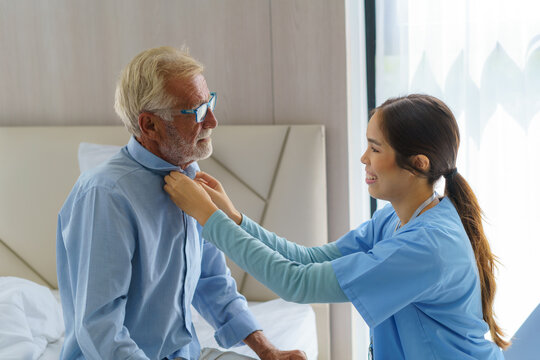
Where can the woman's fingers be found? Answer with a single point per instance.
(213, 193)
(217, 197)
(202, 174)
(179, 184)
(174, 176)
(210, 180)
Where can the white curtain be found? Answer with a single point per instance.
(482, 57)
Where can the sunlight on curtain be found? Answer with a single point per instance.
(482, 58)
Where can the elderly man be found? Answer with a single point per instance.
(130, 262)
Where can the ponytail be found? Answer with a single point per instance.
(422, 124)
(460, 193)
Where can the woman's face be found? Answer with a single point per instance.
(386, 181)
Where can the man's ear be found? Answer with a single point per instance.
(148, 123)
(421, 162)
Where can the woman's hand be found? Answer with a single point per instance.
(189, 196)
(218, 195)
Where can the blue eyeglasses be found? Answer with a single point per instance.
(200, 111)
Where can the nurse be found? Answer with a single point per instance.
(420, 272)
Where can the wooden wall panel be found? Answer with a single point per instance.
(309, 55)
(310, 82)
(60, 59)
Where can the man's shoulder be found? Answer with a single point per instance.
(108, 176)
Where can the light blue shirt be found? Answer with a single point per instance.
(417, 288)
(130, 263)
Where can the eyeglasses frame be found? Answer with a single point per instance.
(211, 104)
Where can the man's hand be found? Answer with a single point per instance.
(189, 196)
(258, 342)
(284, 355)
(218, 195)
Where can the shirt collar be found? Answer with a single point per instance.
(155, 163)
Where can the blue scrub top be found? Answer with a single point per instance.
(417, 288)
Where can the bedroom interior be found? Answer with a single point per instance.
(277, 64)
(59, 153)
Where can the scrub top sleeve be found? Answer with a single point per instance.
(357, 240)
(395, 273)
(289, 249)
(363, 238)
(292, 281)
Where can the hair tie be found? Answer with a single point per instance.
(450, 174)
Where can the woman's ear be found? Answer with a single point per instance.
(421, 162)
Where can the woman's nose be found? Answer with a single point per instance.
(364, 159)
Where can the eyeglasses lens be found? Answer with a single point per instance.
(201, 112)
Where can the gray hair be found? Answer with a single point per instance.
(142, 83)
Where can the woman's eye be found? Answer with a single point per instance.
(374, 150)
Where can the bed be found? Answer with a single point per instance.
(258, 165)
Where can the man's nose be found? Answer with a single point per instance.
(210, 120)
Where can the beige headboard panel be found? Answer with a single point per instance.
(274, 174)
(39, 168)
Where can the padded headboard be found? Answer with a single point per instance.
(274, 174)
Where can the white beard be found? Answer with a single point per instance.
(178, 152)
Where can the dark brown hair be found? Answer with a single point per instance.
(422, 124)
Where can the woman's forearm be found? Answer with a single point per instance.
(291, 280)
(289, 249)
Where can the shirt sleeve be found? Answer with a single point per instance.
(289, 249)
(100, 242)
(291, 280)
(395, 273)
(217, 300)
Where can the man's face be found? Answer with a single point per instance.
(182, 140)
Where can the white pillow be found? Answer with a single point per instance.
(92, 155)
(30, 318)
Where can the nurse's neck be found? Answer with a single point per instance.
(406, 205)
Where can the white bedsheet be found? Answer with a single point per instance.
(30, 319)
(32, 327)
(288, 325)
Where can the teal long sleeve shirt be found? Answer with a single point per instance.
(294, 272)
(417, 287)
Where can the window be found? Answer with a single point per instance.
(482, 58)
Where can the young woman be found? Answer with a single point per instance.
(420, 272)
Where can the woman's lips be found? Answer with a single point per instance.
(370, 178)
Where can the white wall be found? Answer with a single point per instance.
(271, 62)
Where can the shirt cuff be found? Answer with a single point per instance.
(237, 329)
(246, 222)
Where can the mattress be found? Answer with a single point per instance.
(295, 329)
